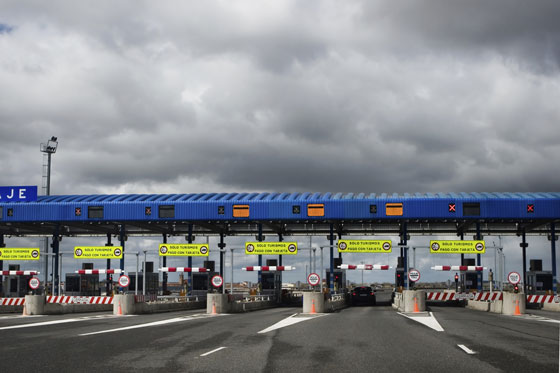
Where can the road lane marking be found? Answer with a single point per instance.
(291, 320)
(530, 316)
(466, 349)
(155, 323)
(18, 316)
(55, 322)
(430, 321)
(211, 352)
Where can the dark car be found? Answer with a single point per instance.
(363, 295)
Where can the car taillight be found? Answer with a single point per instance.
(353, 293)
(372, 293)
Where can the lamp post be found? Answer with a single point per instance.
(48, 148)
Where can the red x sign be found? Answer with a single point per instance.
(452, 207)
(531, 208)
(78, 211)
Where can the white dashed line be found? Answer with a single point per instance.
(211, 352)
(466, 349)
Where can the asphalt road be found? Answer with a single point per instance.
(353, 339)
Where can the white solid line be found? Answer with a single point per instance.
(291, 320)
(54, 322)
(466, 349)
(211, 352)
(155, 323)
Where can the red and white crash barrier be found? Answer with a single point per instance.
(12, 301)
(458, 268)
(268, 268)
(98, 271)
(76, 299)
(184, 269)
(449, 296)
(19, 273)
(367, 267)
(542, 299)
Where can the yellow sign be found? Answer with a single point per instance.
(98, 252)
(178, 249)
(271, 248)
(457, 247)
(364, 246)
(19, 253)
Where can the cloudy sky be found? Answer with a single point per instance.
(220, 96)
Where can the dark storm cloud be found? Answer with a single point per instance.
(295, 96)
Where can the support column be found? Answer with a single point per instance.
(107, 276)
(189, 261)
(553, 254)
(339, 253)
(55, 246)
(331, 261)
(524, 246)
(165, 274)
(280, 239)
(122, 237)
(222, 247)
(463, 274)
(405, 253)
(2, 245)
(479, 277)
(260, 238)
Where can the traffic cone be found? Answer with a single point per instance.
(24, 310)
(119, 309)
(214, 308)
(517, 312)
(313, 307)
(416, 305)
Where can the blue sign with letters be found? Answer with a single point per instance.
(18, 193)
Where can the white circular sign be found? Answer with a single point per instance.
(217, 281)
(124, 281)
(414, 275)
(313, 279)
(514, 278)
(34, 283)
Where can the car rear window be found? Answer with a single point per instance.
(363, 289)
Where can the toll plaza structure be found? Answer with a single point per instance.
(284, 214)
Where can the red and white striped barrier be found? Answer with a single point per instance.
(183, 269)
(367, 267)
(458, 268)
(542, 299)
(12, 301)
(76, 299)
(268, 268)
(449, 296)
(19, 273)
(98, 271)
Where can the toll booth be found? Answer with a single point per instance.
(201, 281)
(77, 284)
(152, 280)
(469, 279)
(15, 286)
(339, 280)
(538, 281)
(271, 281)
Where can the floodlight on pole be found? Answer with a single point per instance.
(48, 148)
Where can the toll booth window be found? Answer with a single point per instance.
(373, 209)
(167, 211)
(471, 209)
(95, 212)
(240, 211)
(72, 283)
(394, 209)
(268, 281)
(316, 209)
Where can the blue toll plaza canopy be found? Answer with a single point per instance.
(282, 213)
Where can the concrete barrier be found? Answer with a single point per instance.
(335, 304)
(511, 300)
(35, 304)
(397, 301)
(409, 297)
(313, 298)
(478, 305)
(218, 301)
(225, 303)
(495, 306)
(62, 308)
(551, 307)
(130, 307)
